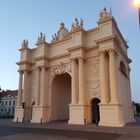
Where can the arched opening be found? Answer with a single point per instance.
(61, 97)
(95, 110)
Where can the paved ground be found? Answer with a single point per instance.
(62, 131)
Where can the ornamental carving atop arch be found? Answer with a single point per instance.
(59, 69)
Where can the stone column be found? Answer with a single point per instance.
(113, 77)
(20, 88)
(42, 100)
(103, 79)
(25, 86)
(37, 86)
(81, 80)
(73, 96)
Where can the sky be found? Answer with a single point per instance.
(25, 19)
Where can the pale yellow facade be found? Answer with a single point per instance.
(80, 76)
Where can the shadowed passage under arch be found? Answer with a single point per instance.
(61, 97)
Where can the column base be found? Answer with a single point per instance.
(22, 114)
(40, 114)
(111, 115)
(79, 114)
(19, 114)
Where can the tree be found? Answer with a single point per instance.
(137, 107)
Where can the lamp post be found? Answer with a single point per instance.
(137, 3)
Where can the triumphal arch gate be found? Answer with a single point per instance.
(81, 76)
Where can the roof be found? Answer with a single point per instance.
(9, 93)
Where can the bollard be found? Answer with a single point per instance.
(41, 121)
(17, 119)
(84, 121)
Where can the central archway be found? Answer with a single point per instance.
(61, 97)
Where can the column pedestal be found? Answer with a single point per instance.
(79, 114)
(40, 114)
(22, 115)
(19, 114)
(111, 115)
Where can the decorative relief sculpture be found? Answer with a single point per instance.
(41, 38)
(59, 69)
(61, 34)
(25, 44)
(77, 24)
(105, 14)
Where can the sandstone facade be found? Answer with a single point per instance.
(82, 76)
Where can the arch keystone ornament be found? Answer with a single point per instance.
(81, 77)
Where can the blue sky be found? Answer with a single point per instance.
(25, 19)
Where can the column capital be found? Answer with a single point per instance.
(43, 67)
(102, 52)
(80, 58)
(73, 59)
(20, 71)
(111, 51)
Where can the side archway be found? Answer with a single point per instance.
(95, 110)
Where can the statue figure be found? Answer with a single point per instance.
(25, 44)
(101, 14)
(110, 12)
(76, 23)
(62, 33)
(105, 12)
(72, 26)
(41, 38)
(81, 23)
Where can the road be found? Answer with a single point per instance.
(21, 133)
(62, 131)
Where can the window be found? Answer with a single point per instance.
(14, 102)
(5, 102)
(9, 102)
(13, 111)
(123, 68)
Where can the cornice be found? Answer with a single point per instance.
(108, 38)
(78, 30)
(77, 48)
(41, 58)
(59, 56)
(92, 30)
(107, 19)
(40, 43)
(115, 40)
(22, 49)
(23, 62)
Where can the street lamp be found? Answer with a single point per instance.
(137, 3)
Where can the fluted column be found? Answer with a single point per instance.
(20, 88)
(103, 78)
(113, 77)
(73, 95)
(81, 80)
(37, 86)
(42, 100)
